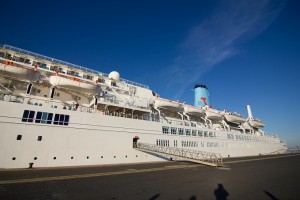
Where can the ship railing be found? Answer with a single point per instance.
(206, 158)
(293, 150)
(74, 66)
(42, 102)
(58, 104)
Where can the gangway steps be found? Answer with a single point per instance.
(205, 158)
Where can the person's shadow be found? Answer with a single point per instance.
(221, 193)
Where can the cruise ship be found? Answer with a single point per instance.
(55, 113)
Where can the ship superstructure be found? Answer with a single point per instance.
(54, 113)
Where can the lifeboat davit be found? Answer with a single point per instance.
(234, 118)
(75, 84)
(166, 104)
(9, 68)
(213, 114)
(256, 123)
(192, 110)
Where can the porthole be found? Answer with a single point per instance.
(87, 157)
(72, 157)
(136, 156)
(39, 138)
(114, 156)
(19, 137)
(54, 158)
(101, 156)
(14, 158)
(35, 158)
(126, 156)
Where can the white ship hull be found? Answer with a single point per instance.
(95, 139)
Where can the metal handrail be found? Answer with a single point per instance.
(207, 158)
(53, 60)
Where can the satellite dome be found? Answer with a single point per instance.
(114, 75)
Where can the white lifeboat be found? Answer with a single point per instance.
(9, 68)
(74, 83)
(234, 118)
(192, 110)
(213, 113)
(256, 123)
(166, 104)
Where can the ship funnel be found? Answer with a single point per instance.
(201, 96)
(250, 116)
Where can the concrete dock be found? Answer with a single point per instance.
(261, 177)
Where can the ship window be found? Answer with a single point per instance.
(27, 61)
(205, 133)
(38, 117)
(61, 119)
(39, 138)
(173, 130)
(180, 131)
(188, 131)
(43, 117)
(19, 137)
(101, 80)
(165, 130)
(194, 132)
(2, 54)
(49, 119)
(28, 116)
(89, 77)
(200, 133)
(211, 134)
(56, 119)
(66, 122)
(113, 84)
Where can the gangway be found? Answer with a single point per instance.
(205, 158)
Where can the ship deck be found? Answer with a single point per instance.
(260, 177)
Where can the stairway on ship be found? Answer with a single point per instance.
(201, 157)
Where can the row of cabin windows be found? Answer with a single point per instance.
(246, 137)
(188, 132)
(45, 118)
(160, 142)
(189, 143)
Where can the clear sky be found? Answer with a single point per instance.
(245, 52)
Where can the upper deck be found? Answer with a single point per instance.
(52, 61)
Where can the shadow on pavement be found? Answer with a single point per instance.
(272, 197)
(221, 193)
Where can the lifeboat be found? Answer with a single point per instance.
(256, 123)
(166, 104)
(75, 84)
(213, 113)
(234, 118)
(11, 69)
(192, 110)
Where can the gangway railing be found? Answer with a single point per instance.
(205, 158)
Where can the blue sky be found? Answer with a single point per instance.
(246, 52)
